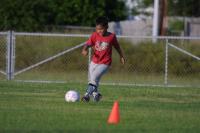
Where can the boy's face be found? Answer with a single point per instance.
(101, 30)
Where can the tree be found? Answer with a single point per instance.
(23, 15)
(189, 8)
(177, 7)
(184, 8)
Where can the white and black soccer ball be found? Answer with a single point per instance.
(72, 96)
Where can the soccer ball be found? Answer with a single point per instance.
(72, 96)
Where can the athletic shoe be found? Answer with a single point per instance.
(96, 96)
(85, 99)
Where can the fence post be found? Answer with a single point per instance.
(166, 63)
(89, 60)
(10, 55)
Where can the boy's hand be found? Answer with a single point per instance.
(122, 60)
(84, 52)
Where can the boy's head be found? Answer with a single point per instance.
(103, 21)
(101, 25)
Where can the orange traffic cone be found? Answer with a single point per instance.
(114, 116)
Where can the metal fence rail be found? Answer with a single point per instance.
(151, 61)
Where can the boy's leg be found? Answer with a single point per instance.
(91, 86)
(90, 89)
(95, 77)
(95, 73)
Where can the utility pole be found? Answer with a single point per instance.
(163, 17)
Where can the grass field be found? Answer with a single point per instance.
(39, 107)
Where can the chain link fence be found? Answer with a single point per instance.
(149, 61)
(50, 57)
(184, 62)
(3, 44)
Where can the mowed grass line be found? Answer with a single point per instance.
(37, 107)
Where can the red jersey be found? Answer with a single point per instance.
(102, 46)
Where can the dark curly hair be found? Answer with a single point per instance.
(102, 21)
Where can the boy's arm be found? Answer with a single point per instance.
(122, 59)
(88, 44)
(85, 50)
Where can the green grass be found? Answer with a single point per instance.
(120, 77)
(36, 107)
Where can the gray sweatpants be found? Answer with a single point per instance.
(96, 71)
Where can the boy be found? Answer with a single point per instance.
(101, 42)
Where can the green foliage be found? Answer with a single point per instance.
(31, 51)
(135, 11)
(176, 25)
(184, 8)
(181, 64)
(177, 7)
(23, 15)
(145, 57)
(147, 3)
(3, 53)
(142, 57)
